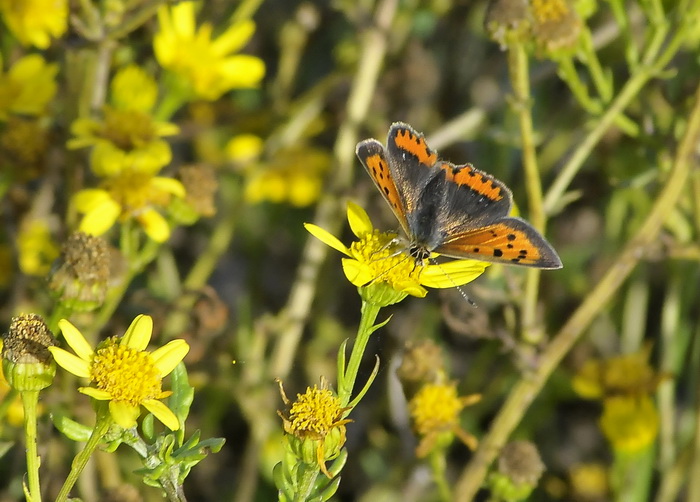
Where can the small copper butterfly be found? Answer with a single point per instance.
(456, 211)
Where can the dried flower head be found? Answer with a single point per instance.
(81, 275)
(27, 362)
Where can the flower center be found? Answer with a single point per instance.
(134, 191)
(388, 262)
(316, 411)
(128, 375)
(127, 129)
(435, 407)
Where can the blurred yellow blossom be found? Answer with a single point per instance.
(629, 374)
(27, 87)
(206, 64)
(435, 413)
(35, 247)
(376, 260)
(294, 175)
(244, 148)
(133, 89)
(131, 194)
(122, 372)
(35, 22)
(127, 136)
(630, 423)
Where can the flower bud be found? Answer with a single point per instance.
(27, 362)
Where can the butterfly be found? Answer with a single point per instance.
(456, 211)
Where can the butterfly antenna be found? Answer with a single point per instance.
(458, 288)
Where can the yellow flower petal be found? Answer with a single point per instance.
(453, 273)
(169, 355)
(99, 394)
(70, 363)
(124, 414)
(155, 226)
(327, 238)
(357, 273)
(162, 413)
(75, 339)
(169, 185)
(359, 221)
(234, 38)
(139, 333)
(101, 218)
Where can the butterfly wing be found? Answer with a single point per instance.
(373, 156)
(510, 241)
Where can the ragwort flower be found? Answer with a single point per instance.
(131, 194)
(207, 65)
(122, 372)
(435, 413)
(315, 425)
(35, 22)
(27, 87)
(378, 258)
(127, 134)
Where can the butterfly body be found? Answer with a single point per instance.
(454, 210)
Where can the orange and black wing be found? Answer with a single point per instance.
(510, 241)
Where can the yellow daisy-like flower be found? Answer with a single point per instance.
(206, 64)
(130, 194)
(378, 257)
(435, 413)
(35, 22)
(27, 87)
(127, 136)
(122, 372)
(316, 425)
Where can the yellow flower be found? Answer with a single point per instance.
(316, 425)
(205, 64)
(131, 194)
(629, 374)
(589, 482)
(36, 249)
(35, 22)
(630, 423)
(28, 87)
(377, 257)
(122, 372)
(295, 175)
(127, 136)
(244, 148)
(435, 413)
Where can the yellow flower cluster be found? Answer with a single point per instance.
(128, 151)
(625, 384)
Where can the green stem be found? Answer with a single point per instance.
(602, 82)
(652, 64)
(437, 464)
(30, 400)
(104, 420)
(346, 382)
(520, 80)
(530, 385)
